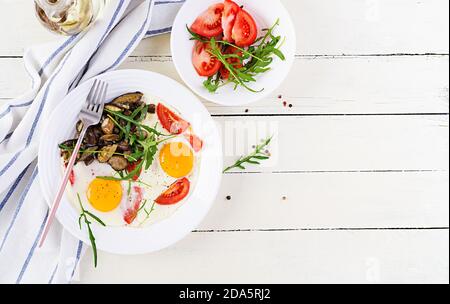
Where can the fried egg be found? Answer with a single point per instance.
(176, 159)
(131, 203)
(104, 195)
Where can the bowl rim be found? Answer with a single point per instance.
(234, 100)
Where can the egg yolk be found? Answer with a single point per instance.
(104, 195)
(176, 159)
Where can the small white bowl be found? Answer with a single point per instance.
(265, 12)
(127, 240)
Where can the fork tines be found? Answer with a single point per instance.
(96, 96)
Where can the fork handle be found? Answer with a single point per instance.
(62, 186)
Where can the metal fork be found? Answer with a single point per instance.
(90, 115)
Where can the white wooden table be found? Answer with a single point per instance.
(362, 154)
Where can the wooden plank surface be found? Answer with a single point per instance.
(330, 200)
(316, 85)
(326, 27)
(384, 256)
(341, 143)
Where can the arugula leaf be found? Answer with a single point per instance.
(95, 218)
(253, 158)
(150, 148)
(93, 244)
(147, 212)
(279, 54)
(69, 149)
(84, 215)
(257, 59)
(129, 176)
(138, 124)
(212, 83)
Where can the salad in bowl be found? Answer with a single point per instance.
(233, 52)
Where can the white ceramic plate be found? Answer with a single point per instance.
(265, 12)
(124, 240)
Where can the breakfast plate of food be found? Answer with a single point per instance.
(233, 52)
(146, 174)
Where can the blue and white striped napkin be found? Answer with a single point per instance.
(55, 69)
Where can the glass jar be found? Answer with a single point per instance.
(67, 17)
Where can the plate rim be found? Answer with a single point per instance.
(176, 234)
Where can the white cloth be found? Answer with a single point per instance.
(55, 69)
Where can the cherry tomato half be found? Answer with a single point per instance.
(171, 121)
(245, 30)
(209, 23)
(131, 167)
(230, 11)
(195, 142)
(204, 63)
(176, 192)
(235, 62)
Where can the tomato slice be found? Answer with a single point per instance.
(71, 176)
(132, 166)
(195, 141)
(235, 62)
(132, 211)
(176, 192)
(171, 121)
(204, 63)
(230, 11)
(244, 31)
(209, 23)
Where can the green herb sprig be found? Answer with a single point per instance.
(69, 149)
(253, 158)
(144, 146)
(257, 59)
(86, 215)
(147, 212)
(134, 122)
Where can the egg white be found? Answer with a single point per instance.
(153, 182)
(84, 175)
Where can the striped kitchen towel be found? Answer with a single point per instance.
(55, 69)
